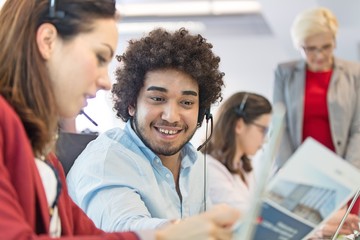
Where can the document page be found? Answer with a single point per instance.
(312, 185)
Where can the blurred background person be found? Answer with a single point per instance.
(320, 92)
(241, 125)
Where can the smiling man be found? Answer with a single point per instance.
(149, 174)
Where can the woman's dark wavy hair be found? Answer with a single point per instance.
(161, 49)
(24, 78)
(222, 145)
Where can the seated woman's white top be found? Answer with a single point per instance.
(50, 183)
(225, 187)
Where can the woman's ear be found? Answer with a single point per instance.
(46, 36)
(239, 126)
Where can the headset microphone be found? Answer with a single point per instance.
(88, 117)
(208, 117)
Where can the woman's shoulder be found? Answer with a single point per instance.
(4, 105)
(216, 165)
(7, 113)
(213, 161)
(348, 66)
(290, 66)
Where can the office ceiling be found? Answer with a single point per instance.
(250, 23)
(274, 18)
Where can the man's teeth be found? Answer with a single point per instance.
(169, 132)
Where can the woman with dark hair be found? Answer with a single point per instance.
(240, 129)
(54, 56)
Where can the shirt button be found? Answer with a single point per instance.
(157, 160)
(167, 175)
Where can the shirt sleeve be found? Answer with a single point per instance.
(285, 148)
(353, 151)
(104, 190)
(120, 209)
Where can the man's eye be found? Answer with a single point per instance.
(187, 103)
(157, 99)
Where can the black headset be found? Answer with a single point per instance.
(240, 110)
(204, 112)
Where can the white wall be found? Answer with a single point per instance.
(249, 48)
(249, 56)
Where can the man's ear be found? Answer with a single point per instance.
(46, 36)
(131, 110)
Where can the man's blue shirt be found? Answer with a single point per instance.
(122, 185)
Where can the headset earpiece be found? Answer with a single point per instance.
(240, 110)
(203, 112)
(208, 115)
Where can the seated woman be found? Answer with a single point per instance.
(240, 128)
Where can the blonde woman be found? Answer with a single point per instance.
(320, 93)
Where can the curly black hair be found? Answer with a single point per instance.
(161, 49)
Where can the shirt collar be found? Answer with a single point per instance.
(188, 153)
